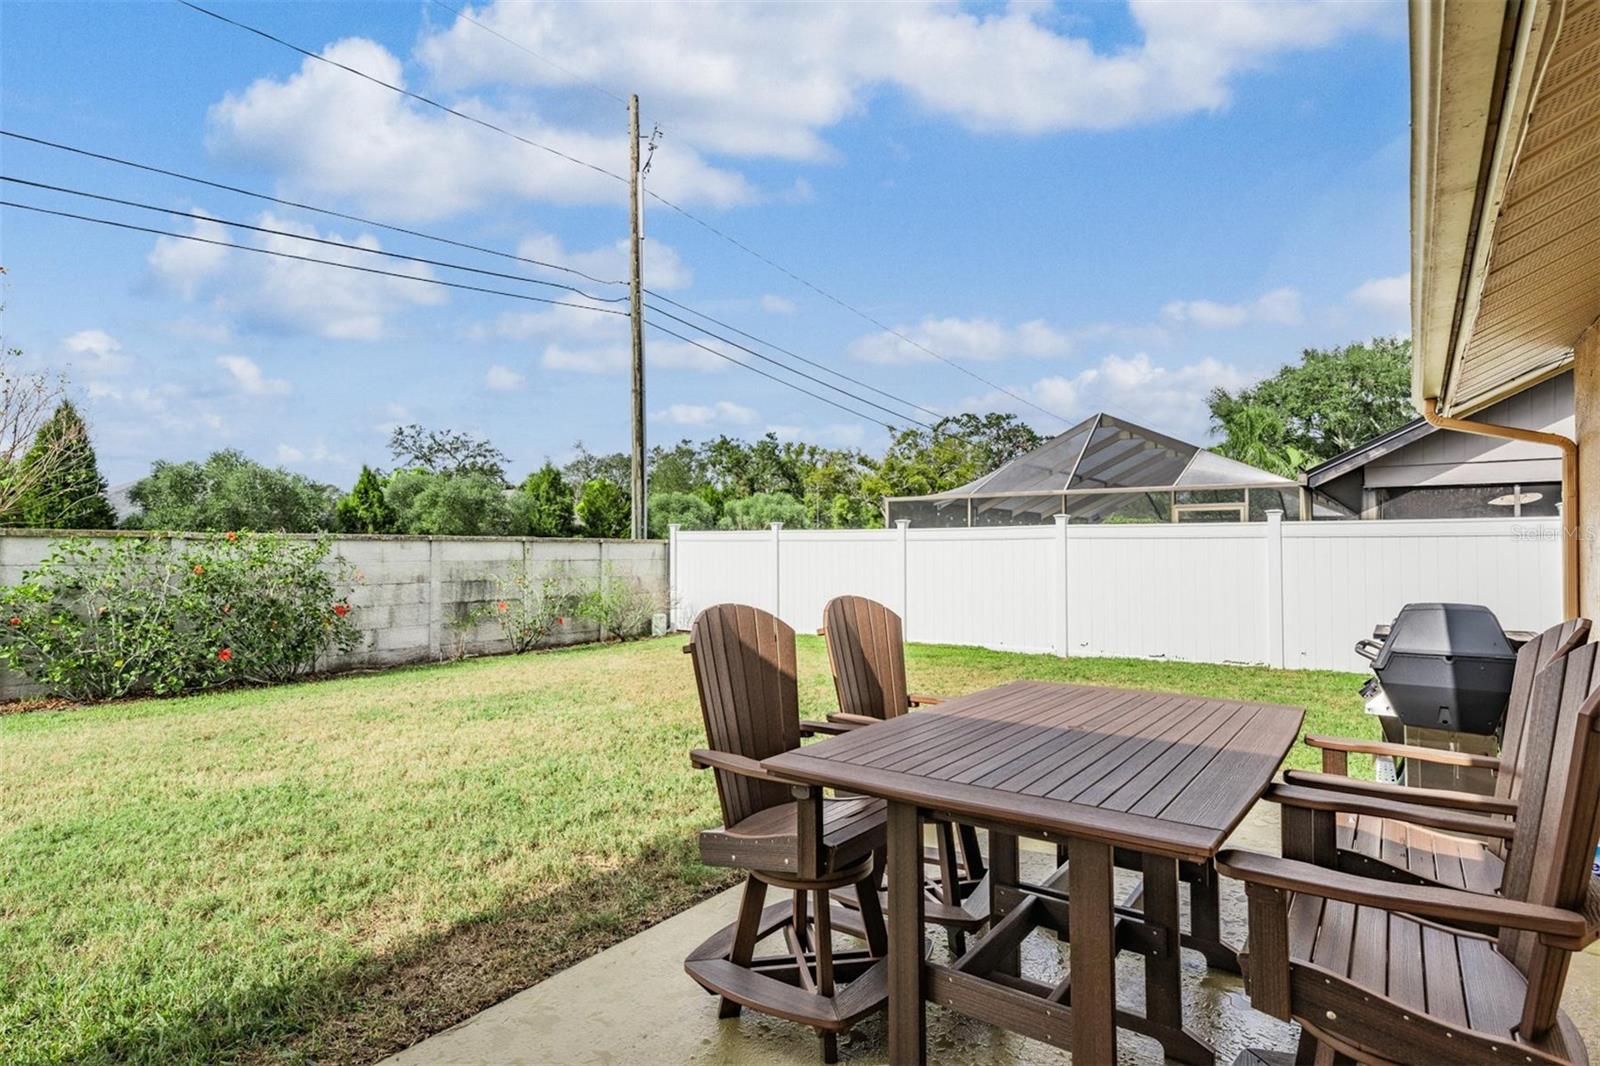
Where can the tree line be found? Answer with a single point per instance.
(446, 482)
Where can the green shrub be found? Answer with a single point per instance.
(763, 509)
(530, 609)
(278, 605)
(620, 606)
(446, 505)
(103, 619)
(682, 509)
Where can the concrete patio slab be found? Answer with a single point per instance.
(633, 1005)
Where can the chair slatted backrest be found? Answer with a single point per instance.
(866, 652)
(1532, 657)
(744, 666)
(1556, 826)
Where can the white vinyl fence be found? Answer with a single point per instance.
(1293, 594)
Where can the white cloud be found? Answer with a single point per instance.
(831, 434)
(777, 305)
(288, 453)
(247, 376)
(1391, 296)
(333, 134)
(663, 269)
(1279, 307)
(768, 79)
(688, 414)
(289, 295)
(980, 339)
(96, 352)
(617, 358)
(503, 379)
(1167, 399)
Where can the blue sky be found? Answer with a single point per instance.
(1098, 207)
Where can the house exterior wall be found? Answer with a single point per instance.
(1586, 411)
(1447, 458)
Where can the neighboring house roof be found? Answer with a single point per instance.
(1362, 454)
(1505, 254)
(1104, 453)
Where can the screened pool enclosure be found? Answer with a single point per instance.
(1106, 469)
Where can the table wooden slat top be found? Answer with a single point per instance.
(1162, 772)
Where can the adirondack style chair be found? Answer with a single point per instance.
(866, 655)
(1414, 835)
(785, 837)
(1382, 972)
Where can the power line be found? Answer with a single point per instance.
(825, 294)
(446, 108)
(685, 212)
(309, 259)
(315, 240)
(434, 281)
(798, 373)
(147, 168)
(757, 370)
(420, 234)
(792, 355)
(596, 86)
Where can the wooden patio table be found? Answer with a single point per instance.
(1163, 777)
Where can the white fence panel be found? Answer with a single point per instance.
(1296, 594)
(710, 568)
(1192, 592)
(985, 587)
(819, 565)
(1342, 578)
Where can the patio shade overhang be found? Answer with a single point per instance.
(1505, 260)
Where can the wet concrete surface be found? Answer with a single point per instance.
(633, 1004)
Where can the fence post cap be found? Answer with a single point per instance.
(1274, 514)
(777, 526)
(902, 523)
(1061, 519)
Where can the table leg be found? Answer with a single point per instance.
(1004, 872)
(1205, 920)
(1163, 969)
(907, 1036)
(1093, 961)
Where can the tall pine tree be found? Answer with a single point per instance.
(363, 509)
(67, 491)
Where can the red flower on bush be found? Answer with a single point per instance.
(15, 620)
(501, 606)
(341, 609)
(198, 569)
(225, 654)
(231, 535)
(561, 621)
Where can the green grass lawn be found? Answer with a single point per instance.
(331, 871)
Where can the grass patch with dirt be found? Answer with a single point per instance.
(331, 871)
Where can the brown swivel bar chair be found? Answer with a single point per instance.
(744, 666)
(866, 654)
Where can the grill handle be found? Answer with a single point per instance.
(1368, 649)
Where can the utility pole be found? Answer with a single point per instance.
(636, 294)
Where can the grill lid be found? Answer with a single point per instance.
(1453, 629)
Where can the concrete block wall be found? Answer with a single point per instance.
(414, 596)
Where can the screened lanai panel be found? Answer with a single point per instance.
(1044, 469)
(1015, 510)
(930, 514)
(1264, 500)
(1125, 507)
(1120, 453)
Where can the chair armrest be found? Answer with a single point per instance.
(830, 728)
(1425, 901)
(1422, 797)
(852, 721)
(703, 758)
(1402, 751)
(922, 699)
(1324, 799)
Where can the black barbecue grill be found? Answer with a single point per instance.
(1445, 666)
